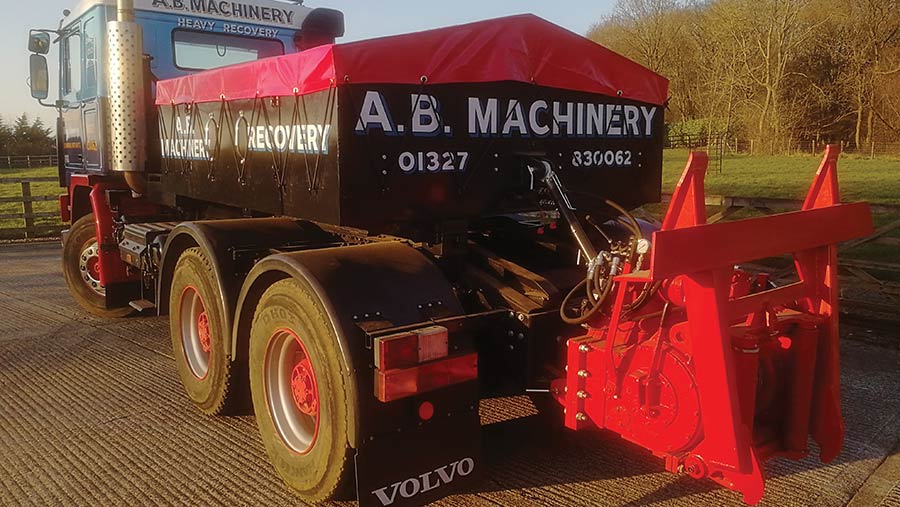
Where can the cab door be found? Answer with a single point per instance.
(81, 87)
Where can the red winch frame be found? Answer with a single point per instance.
(695, 262)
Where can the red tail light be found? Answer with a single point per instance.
(417, 361)
(405, 350)
(393, 385)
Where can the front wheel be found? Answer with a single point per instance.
(81, 269)
(300, 395)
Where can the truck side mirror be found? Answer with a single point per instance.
(40, 77)
(39, 43)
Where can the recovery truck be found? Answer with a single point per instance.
(359, 241)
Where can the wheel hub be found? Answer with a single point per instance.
(89, 267)
(292, 391)
(303, 387)
(196, 335)
(203, 332)
(93, 265)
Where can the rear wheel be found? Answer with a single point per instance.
(81, 268)
(197, 328)
(297, 377)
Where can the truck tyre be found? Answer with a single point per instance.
(297, 378)
(197, 328)
(81, 269)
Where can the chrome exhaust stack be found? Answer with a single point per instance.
(127, 100)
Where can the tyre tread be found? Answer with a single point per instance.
(230, 398)
(343, 487)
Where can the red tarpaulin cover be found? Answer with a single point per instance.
(519, 48)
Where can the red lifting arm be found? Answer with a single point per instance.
(704, 255)
(722, 371)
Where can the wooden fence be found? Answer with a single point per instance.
(26, 218)
(721, 143)
(28, 161)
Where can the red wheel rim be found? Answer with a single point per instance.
(292, 391)
(196, 336)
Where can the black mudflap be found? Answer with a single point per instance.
(421, 465)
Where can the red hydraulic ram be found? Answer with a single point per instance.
(720, 370)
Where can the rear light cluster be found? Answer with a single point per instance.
(404, 350)
(419, 361)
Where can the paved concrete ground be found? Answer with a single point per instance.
(92, 413)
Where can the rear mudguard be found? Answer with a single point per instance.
(223, 242)
(401, 460)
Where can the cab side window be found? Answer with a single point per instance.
(71, 65)
(92, 48)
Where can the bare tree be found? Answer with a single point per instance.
(772, 36)
(776, 70)
(870, 29)
(650, 29)
(653, 33)
(720, 85)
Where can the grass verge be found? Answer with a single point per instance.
(12, 228)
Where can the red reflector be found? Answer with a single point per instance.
(395, 384)
(426, 411)
(397, 351)
(65, 214)
(405, 350)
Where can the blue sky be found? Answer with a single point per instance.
(365, 19)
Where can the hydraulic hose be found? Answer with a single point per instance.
(598, 283)
(592, 281)
(551, 181)
(631, 222)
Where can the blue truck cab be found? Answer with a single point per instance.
(180, 37)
